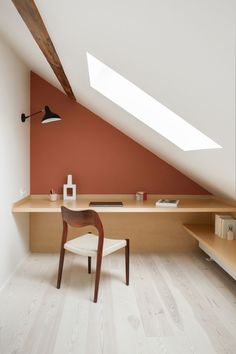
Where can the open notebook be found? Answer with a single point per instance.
(108, 204)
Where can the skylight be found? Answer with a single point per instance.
(145, 108)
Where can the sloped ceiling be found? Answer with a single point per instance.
(181, 52)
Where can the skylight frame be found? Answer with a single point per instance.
(145, 108)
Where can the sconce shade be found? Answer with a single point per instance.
(48, 117)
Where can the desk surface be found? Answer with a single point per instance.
(40, 204)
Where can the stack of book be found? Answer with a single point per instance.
(225, 227)
(167, 203)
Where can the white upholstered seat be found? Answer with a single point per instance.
(87, 245)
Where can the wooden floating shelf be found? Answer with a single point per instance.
(221, 251)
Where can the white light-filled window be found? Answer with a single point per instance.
(145, 108)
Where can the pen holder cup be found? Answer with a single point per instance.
(53, 197)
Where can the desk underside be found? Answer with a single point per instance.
(148, 232)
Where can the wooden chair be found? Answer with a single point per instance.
(89, 244)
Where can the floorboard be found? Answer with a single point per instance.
(175, 304)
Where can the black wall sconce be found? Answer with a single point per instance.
(48, 117)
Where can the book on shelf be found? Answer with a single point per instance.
(224, 223)
(167, 203)
(218, 221)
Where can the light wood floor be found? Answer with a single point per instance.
(175, 304)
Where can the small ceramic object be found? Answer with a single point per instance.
(141, 195)
(230, 235)
(69, 189)
(53, 197)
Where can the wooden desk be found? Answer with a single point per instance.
(150, 229)
(42, 204)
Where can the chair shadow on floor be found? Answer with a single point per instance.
(76, 276)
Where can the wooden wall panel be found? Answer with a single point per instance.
(147, 232)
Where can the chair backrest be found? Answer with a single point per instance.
(76, 218)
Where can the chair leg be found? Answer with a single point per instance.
(97, 276)
(89, 265)
(60, 268)
(127, 261)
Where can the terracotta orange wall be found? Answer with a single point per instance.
(101, 159)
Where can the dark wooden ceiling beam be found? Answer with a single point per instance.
(31, 16)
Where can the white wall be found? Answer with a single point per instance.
(181, 52)
(14, 160)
